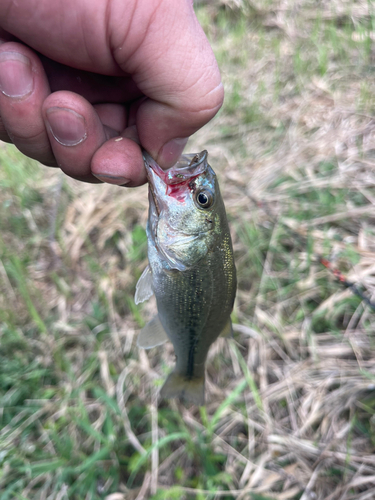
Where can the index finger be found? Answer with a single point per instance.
(173, 64)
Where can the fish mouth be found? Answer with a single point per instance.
(186, 168)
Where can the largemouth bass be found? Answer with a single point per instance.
(191, 269)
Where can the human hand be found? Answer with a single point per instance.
(84, 82)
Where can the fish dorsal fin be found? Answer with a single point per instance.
(143, 290)
(227, 331)
(152, 334)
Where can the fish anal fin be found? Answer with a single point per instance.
(152, 335)
(178, 386)
(143, 289)
(227, 331)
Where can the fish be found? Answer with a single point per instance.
(191, 270)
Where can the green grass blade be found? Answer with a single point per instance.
(226, 403)
(249, 378)
(159, 444)
(15, 269)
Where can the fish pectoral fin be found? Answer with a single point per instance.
(152, 334)
(143, 290)
(227, 331)
(177, 386)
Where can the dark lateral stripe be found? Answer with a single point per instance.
(192, 345)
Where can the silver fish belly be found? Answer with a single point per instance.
(191, 269)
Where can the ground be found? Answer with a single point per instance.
(291, 398)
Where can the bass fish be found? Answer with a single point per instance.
(191, 269)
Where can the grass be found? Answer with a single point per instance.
(291, 405)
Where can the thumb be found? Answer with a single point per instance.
(174, 66)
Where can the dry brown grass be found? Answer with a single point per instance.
(301, 424)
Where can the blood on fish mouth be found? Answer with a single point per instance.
(178, 179)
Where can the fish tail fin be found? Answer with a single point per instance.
(178, 386)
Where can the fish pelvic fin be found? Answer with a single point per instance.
(189, 390)
(152, 334)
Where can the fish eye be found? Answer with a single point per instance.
(204, 198)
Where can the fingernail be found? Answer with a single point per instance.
(171, 151)
(16, 77)
(66, 126)
(112, 179)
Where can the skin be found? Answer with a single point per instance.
(85, 82)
